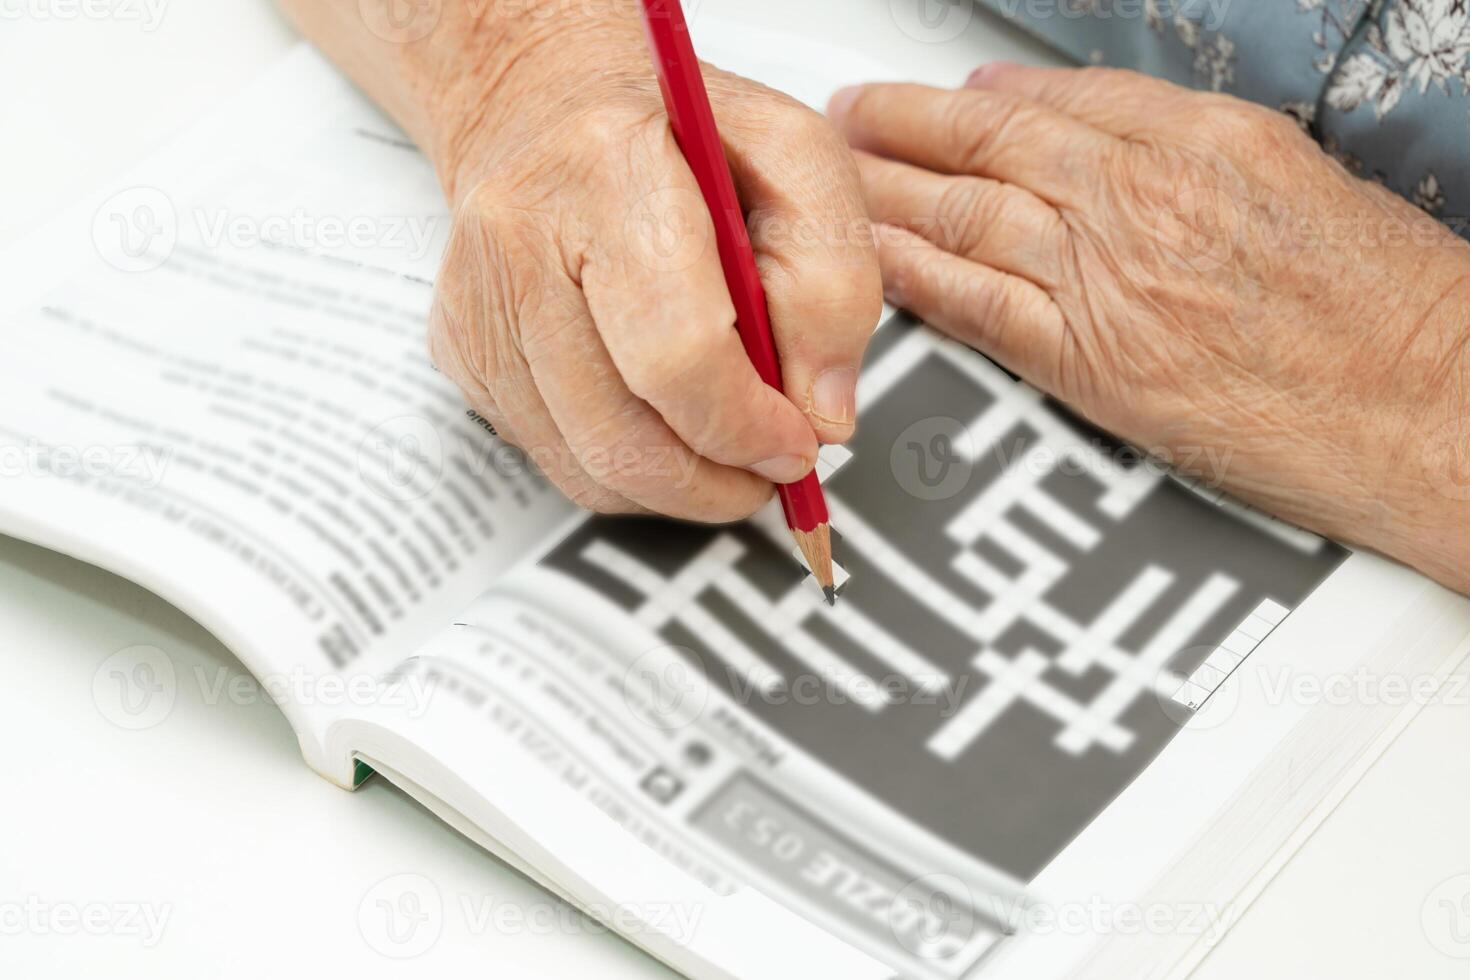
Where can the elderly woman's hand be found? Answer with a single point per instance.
(581, 306)
(1194, 274)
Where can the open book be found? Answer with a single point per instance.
(1052, 728)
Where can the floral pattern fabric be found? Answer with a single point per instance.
(1384, 85)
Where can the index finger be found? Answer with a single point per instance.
(1122, 103)
(975, 133)
(814, 248)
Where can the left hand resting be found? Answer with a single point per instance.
(1193, 273)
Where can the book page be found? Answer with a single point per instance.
(1025, 609)
(221, 390)
(1051, 669)
(1025, 709)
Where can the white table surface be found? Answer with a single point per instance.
(210, 819)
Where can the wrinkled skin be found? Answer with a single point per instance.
(582, 308)
(1194, 274)
(1188, 271)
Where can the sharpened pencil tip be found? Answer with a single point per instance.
(831, 595)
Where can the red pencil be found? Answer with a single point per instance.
(693, 121)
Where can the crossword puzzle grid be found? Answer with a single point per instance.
(1047, 591)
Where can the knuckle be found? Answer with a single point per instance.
(602, 432)
(515, 393)
(676, 355)
(438, 342)
(492, 224)
(659, 375)
(968, 209)
(1089, 76)
(934, 268)
(976, 126)
(588, 495)
(629, 454)
(999, 304)
(483, 198)
(541, 331)
(596, 129)
(1246, 128)
(793, 124)
(826, 289)
(732, 433)
(751, 497)
(989, 310)
(1093, 77)
(484, 206)
(719, 497)
(859, 306)
(480, 200)
(462, 354)
(846, 297)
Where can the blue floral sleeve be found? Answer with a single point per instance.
(1382, 84)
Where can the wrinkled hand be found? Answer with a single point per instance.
(582, 308)
(1194, 274)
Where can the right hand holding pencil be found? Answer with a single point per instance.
(581, 306)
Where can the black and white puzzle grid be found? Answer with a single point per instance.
(1031, 613)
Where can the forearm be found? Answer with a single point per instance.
(1426, 495)
(454, 69)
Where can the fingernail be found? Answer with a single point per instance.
(783, 469)
(842, 100)
(834, 396)
(980, 76)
